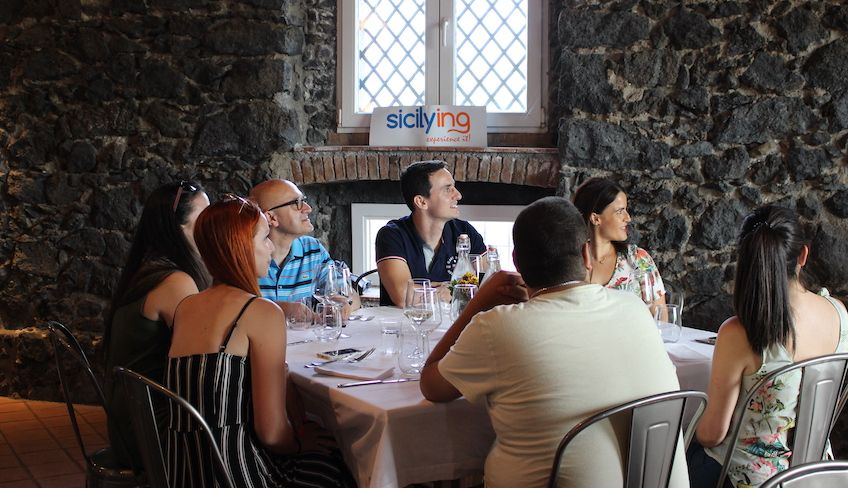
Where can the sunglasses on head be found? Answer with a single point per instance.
(184, 186)
(297, 202)
(233, 197)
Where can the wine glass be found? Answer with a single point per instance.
(331, 283)
(327, 322)
(299, 315)
(646, 288)
(423, 308)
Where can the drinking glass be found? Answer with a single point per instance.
(331, 283)
(299, 315)
(411, 357)
(462, 294)
(327, 322)
(423, 308)
(390, 335)
(669, 322)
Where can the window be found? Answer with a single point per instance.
(493, 222)
(488, 53)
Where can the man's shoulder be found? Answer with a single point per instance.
(398, 223)
(396, 227)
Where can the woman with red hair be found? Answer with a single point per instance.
(228, 358)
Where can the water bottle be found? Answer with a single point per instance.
(463, 259)
(494, 263)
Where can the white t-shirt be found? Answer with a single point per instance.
(546, 364)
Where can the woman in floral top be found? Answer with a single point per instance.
(778, 322)
(615, 263)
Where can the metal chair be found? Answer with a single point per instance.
(655, 423)
(102, 469)
(358, 279)
(821, 396)
(139, 389)
(823, 474)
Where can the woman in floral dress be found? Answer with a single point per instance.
(778, 321)
(615, 263)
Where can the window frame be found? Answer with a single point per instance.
(439, 69)
(361, 211)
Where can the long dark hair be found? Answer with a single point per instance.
(593, 196)
(224, 235)
(158, 249)
(767, 259)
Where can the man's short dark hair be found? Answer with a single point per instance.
(415, 180)
(549, 235)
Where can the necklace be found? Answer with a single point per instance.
(558, 285)
(604, 258)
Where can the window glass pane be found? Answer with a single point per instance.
(390, 61)
(491, 54)
(495, 233)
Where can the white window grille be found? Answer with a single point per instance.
(488, 53)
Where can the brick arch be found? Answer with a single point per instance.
(519, 166)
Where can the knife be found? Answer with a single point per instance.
(375, 382)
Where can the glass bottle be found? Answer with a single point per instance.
(494, 263)
(463, 258)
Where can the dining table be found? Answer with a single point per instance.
(389, 435)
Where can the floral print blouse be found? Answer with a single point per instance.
(630, 266)
(762, 449)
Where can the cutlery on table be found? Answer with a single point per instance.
(353, 358)
(361, 318)
(375, 382)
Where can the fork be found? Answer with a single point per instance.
(354, 359)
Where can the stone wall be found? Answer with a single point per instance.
(702, 110)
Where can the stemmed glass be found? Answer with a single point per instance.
(646, 287)
(423, 308)
(331, 284)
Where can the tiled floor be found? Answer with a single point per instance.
(38, 447)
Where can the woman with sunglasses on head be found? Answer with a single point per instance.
(162, 268)
(778, 322)
(227, 358)
(615, 263)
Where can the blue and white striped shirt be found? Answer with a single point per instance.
(293, 280)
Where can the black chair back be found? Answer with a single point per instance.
(102, 469)
(140, 391)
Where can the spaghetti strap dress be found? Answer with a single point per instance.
(218, 385)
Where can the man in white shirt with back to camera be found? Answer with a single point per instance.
(548, 356)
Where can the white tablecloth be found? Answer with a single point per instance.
(391, 436)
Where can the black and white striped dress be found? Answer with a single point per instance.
(218, 385)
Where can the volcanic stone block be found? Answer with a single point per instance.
(827, 67)
(583, 28)
(762, 121)
(718, 225)
(769, 73)
(583, 83)
(690, 30)
(801, 28)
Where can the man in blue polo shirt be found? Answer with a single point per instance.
(422, 244)
(296, 257)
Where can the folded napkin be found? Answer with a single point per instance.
(356, 371)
